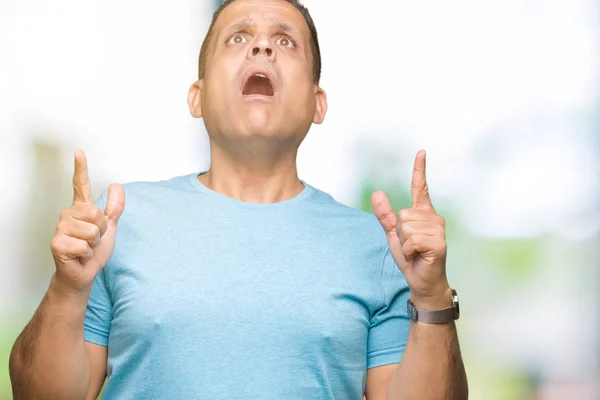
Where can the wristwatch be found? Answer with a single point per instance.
(434, 316)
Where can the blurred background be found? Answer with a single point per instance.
(503, 94)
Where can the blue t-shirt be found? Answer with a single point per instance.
(209, 297)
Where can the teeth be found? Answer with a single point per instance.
(261, 75)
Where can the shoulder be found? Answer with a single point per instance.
(143, 197)
(171, 185)
(361, 223)
(161, 192)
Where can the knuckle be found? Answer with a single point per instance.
(443, 246)
(80, 181)
(55, 243)
(406, 227)
(59, 229)
(383, 217)
(64, 214)
(404, 214)
(65, 226)
(415, 241)
(79, 247)
(94, 231)
(96, 212)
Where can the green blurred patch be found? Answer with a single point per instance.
(489, 383)
(399, 197)
(519, 259)
(7, 338)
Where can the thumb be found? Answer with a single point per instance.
(115, 203)
(384, 212)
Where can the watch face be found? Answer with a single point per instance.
(455, 303)
(411, 310)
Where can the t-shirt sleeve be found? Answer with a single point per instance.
(388, 332)
(98, 316)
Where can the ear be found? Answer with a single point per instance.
(321, 108)
(195, 99)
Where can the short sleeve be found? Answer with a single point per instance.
(98, 316)
(388, 332)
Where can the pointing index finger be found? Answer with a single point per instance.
(82, 191)
(419, 188)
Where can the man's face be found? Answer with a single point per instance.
(258, 80)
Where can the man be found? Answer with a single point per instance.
(244, 281)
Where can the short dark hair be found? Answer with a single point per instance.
(314, 40)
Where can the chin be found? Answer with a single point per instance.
(258, 123)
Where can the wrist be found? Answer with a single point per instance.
(440, 300)
(66, 295)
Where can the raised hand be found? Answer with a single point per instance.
(85, 236)
(417, 240)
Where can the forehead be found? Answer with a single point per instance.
(263, 12)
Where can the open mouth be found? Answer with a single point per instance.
(258, 84)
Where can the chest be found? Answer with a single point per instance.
(259, 294)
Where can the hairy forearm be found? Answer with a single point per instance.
(49, 358)
(432, 366)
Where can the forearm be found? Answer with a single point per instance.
(49, 358)
(432, 366)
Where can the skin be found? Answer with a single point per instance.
(254, 142)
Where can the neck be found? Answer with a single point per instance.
(252, 178)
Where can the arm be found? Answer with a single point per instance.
(98, 357)
(431, 367)
(50, 358)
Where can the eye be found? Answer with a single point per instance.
(236, 38)
(286, 41)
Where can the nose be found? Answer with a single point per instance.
(261, 46)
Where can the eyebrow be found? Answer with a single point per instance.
(246, 22)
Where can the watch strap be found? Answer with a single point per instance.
(431, 316)
(434, 316)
